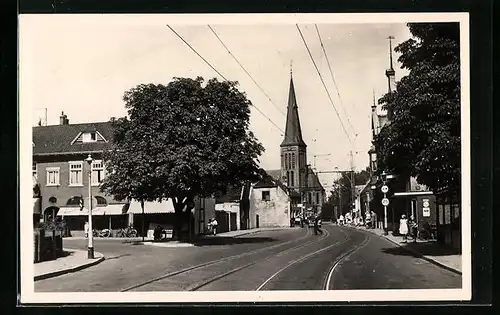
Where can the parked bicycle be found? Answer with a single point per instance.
(127, 232)
(426, 232)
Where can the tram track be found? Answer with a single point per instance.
(226, 259)
(245, 266)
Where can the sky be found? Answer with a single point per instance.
(82, 65)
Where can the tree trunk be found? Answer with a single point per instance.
(142, 207)
(177, 228)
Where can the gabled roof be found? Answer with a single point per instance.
(275, 174)
(313, 180)
(293, 132)
(57, 139)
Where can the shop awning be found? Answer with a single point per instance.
(412, 193)
(113, 209)
(165, 206)
(72, 211)
(36, 205)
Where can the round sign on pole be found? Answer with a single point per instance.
(385, 202)
(385, 189)
(426, 203)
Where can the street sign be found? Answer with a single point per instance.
(385, 189)
(426, 212)
(385, 202)
(426, 203)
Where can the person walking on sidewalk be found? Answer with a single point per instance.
(413, 228)
(403, 227)
(213, 225)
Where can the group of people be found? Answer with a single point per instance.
(408, 228)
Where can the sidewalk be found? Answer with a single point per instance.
(74, 260)
(428, 250)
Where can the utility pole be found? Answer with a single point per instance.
(353, 186)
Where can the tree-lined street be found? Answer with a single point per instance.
(291, 259)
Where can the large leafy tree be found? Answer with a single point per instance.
(423, 137)
(179, 141)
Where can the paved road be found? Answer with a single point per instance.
(292, 259)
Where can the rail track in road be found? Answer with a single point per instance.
(338, 261)
(219, 276)
(227, 259)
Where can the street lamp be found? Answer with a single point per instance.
(90, 251)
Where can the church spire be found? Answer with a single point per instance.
(293, 132)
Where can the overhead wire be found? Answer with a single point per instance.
(333, 78)
(323, 82)
(245, 70)
(213, 68)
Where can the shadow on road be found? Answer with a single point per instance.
(119, 256)
(429, 248)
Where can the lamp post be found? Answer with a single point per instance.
(90, 250)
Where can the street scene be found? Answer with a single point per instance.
(243, 157)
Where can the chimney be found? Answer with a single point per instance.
(63, 119)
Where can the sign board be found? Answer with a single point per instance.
(385, 189)
(426, 212)
(385, 202)
(426, 203)
(299, 205)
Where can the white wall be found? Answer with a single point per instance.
(275, 212)
(230, 207)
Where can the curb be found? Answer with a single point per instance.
(176, 245)
(70, 270)
(419, 255)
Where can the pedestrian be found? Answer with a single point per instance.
(341, 220)
(374, 219)
(316, 226)
(292, 220)
(403, 228)
(86, 228)
(214, 226)
(413, 228)
(368, 219)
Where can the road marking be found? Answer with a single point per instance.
(174, 273)
(300, 260)
(343, 257)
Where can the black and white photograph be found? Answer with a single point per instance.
(244, 157)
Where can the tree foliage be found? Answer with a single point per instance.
(180, 141)
(343, 187)
(423, 137)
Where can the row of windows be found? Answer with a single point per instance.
(290, 161)
(75, 173)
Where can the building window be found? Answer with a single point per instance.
(34, 169)
(288, 179)
(101, 201)
(74, 201)
(75, 173)
(97, 172)
(317, 198)
(293, 160)
(52, 176)
(292, 179)
(89, 137)
(266, 195)
(309, 198)
(286, 160)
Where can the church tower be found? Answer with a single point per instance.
(390, 74)
(293, 147)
